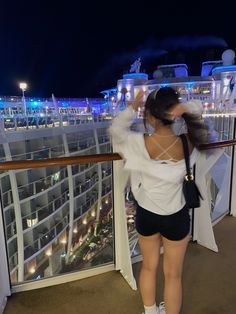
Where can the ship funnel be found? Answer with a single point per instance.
(228, 57)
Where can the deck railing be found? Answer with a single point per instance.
(64, 161)
(123, 232)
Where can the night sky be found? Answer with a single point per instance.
(79, 48)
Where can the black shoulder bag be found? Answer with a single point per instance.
(190, 190)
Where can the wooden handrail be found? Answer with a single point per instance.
(64, 161)
(59, 161)
(220, 144)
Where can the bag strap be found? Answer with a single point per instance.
(186, 154)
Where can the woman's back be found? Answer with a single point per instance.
(165, 147)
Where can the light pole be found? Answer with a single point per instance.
(23, 87)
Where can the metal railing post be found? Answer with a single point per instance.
(233, 176)
(122, 250)
(5, 290)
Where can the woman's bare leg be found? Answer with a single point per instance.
(174, 252)
(150, 250)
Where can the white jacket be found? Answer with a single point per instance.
(156, 184)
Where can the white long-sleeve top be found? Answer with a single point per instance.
(156, 184)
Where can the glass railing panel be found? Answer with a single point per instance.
(26, 191)
(42, 184)
(9, 123)
(130, 208)
(103, 139)
(65, 222)
(32, 122)
(219, 181)
(11, 230)
(13, 261)
(219, 177)
(223, 126)
(57, 151)
(81, 145)
(38, 154)
(7, 198)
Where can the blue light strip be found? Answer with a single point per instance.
(224, 68)
(135, 75)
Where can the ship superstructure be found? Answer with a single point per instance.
(50, 212)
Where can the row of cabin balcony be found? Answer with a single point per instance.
(43, 236)
(37, 245)
(14, 123)
(38, 186)
(37, 216)
(42, 213)
(21, 150)
(46, 237)
(42, 254)
(58, 150)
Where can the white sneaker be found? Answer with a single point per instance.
(158, 311)
(162, 308)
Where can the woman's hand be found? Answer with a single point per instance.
(177, 111)
(194, 107)
(138, 101)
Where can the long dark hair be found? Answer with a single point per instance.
(159, 102)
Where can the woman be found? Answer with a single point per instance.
(157, 166)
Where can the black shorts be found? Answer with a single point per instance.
(173, 227)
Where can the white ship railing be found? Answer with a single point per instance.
(125, 243)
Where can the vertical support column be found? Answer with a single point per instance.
(99, 165)
(188, 92)
(18, 216)
(4, 271)
(122, 250)
(233, 175)
(71, 197)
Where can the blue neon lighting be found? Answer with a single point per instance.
(135, 75)
(64, 104)
(164, 84)
(224, 67)
(33, 103)
(189, 85)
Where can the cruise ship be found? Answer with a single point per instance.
(62, 219)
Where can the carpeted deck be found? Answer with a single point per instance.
(209, 286)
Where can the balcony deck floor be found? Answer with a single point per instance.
(209, 286)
